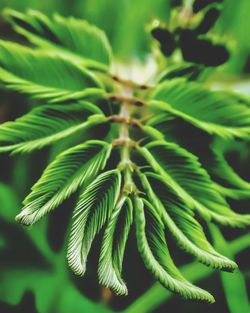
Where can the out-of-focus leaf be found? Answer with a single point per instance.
(234, 285)
(9, 203)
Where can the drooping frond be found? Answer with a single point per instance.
(70, 170)
(113, 247)
(205, 147)
(176, 129)
(182, 171)
(41, 75)
(47, 124)
(75, 39)
(222, 173)
(181, 222)
(153, 248)
(213, 111)
(94, 207)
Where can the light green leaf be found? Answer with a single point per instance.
(181, 222)
(182, 171)
(47, 124)
(41, 75)
(42, 283)
(75, 39)
(152, 246)
(113, 247)
(93, 209)
(9, 202)
(213, 111)
(70, 170)
(92, 94)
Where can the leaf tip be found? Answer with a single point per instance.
(76, 266)
(25, 219)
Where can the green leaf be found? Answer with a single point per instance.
(213, 111)
(70, 170)
(240, 97)
(9, 202)
(87, 94)
(72, 38)
(182, 171)
(113, 247)
(220, 170)
(207, 150)
(152, 246)
(47, 124)
(176, 129)
(43, 284)
(93, 209)
(41, 75)
(181, 222)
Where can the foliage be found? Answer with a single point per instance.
(143, 170)
(48, 274)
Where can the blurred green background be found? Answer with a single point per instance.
(34, 276)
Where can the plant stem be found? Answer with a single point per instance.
(126, 164)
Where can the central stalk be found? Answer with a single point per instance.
(126, 164)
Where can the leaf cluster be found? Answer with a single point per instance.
(146, 168)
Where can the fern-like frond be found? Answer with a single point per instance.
(47, 124)
(176, 129)
(182, 171)
(70, 170)
(205, 147)
(93, 209)
(74, 39)
(88, 94)
(165, 167)
(41, 75)
(221, 172)
(153, 248)
(181, 222)
(113, 247)
(213, 111)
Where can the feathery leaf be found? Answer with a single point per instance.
(203, 146)
(41, 75)
(182, 171)
(213, 111)
(93, 209)
(113, 247)
(180, 220)
(47, 124)
(222, 173)
(152, 246)
(74, 39)
(70, 170)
